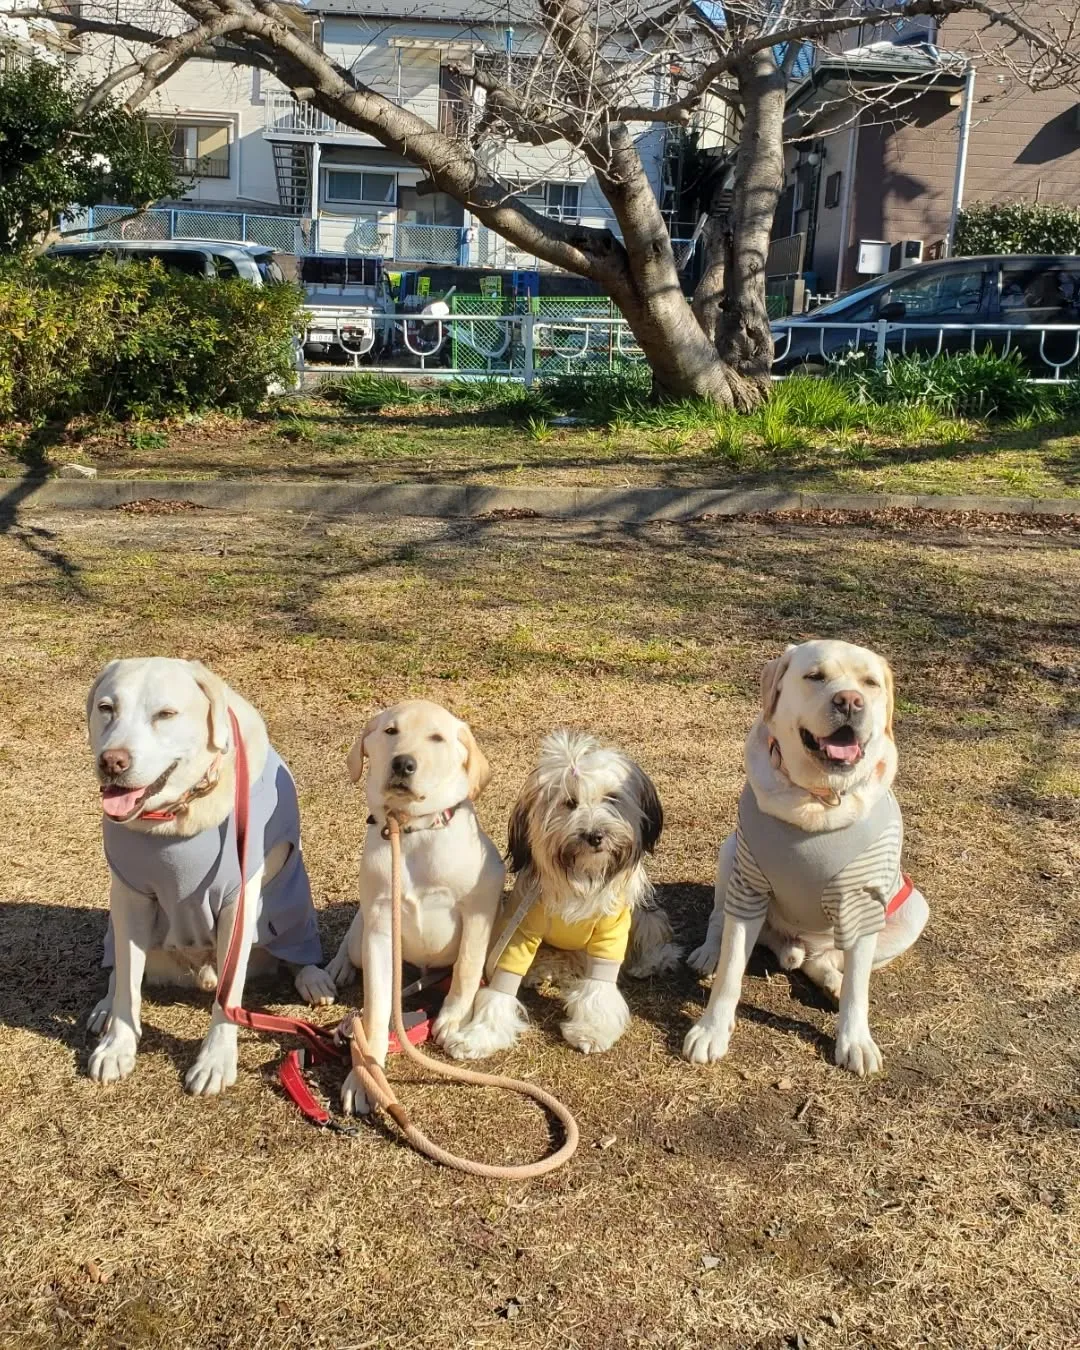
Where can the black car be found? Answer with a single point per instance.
(941, 306)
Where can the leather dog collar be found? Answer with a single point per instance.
(828, 797)
(439, 821)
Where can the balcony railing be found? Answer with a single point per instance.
(362, 236)
(284, 116)
(204, 166)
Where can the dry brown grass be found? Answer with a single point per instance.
(936, 1205)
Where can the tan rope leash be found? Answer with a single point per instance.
(383, 1095)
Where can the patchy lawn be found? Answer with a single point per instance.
(313, 439)
(768, 1201)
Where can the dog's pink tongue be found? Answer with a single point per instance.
(120, 802)
(846, 754)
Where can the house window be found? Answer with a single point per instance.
(832, 190)
(199, 149)
(355, 186)
(562, 200)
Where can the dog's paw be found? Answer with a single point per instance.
(113, 1058)
(99, 1017)
(315, 986)
(790, 954)
(354, 1098)
(206, 978)
(858, 1052)
(707, 1040)
(589, 1039)
(703, 959)
(214, 1069)
(449, 1022)
(498, 1020)
(341, 970)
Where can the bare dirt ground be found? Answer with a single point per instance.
(768, 1201)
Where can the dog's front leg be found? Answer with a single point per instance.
(214, 1069)
(132, 916)
(378, 965)
(855, 1047)
(468, 972)
(597, 1014)
(705, 958)
(708, 1038)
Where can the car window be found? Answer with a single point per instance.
(949, 294)
(1040, 294)
(226, 269)
(185, 261)
(270, 272)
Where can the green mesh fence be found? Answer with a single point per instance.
(571, 334)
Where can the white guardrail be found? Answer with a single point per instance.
(522, 346)
(879, 332)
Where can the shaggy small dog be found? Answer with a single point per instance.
(579, 833)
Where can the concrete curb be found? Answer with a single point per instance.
(630, 505)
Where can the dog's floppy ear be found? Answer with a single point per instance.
(652, 812)
(772, 676)
(217, 694)
(890, 698)
(355, 759)
(91, 697)
(477, 768)
(518, 851)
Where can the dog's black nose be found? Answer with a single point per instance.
(114, 762)
(403, 766)
(595, 839)
(849, 702)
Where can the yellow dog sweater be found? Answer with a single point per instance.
(603, 940)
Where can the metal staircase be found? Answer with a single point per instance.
(292, 169)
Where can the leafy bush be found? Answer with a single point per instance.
(363, 392)
(1023, 227)
(137, 341)
(969, 384)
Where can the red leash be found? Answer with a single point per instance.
(321, 1043)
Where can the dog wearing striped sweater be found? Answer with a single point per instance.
(813, 869)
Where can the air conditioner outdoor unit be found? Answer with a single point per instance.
(907, 253)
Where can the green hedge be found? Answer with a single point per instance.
(136, 340)
(1024, 227)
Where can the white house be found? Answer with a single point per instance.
(251, 147)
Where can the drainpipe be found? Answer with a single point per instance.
(316, 166)
(849, 197)
(961, 158)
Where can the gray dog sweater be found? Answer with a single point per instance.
(193, 879)
(840, 879)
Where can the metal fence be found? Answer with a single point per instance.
(1051, 350)
(232, 227)
(562, 336)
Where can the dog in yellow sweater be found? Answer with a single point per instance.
(579, 834)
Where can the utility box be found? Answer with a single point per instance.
(873, 257)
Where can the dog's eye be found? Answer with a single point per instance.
(570, 804)
(391, 731)
(871, 683)
(612, 798)
(435, 736)
(105, 708)
(817, 676)
(163, 714)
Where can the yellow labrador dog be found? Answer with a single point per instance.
(813, 868)
(426, 767)
(164, 756)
